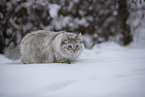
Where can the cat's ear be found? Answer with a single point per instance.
(60, 35)
(65, 37)
(79, 36)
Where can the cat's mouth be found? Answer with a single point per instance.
(74, 51)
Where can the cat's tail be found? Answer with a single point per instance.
(12, 52)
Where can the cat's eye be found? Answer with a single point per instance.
(77, 46)
(69, 46)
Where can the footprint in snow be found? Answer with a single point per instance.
(60, 85)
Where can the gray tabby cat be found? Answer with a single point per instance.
(50, 47)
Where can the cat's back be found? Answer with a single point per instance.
(38, 36)
(36, 40)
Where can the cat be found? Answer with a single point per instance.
(50, 47)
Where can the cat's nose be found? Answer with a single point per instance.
(74, 49)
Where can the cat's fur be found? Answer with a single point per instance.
(50, 47)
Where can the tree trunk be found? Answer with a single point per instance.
(1, 46)
(123, 15)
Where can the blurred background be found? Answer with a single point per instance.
(97, 20)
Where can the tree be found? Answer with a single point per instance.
(101, 20)
(123, 15)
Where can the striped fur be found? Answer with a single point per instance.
(49, 47)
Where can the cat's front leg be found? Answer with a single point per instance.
(66, 61)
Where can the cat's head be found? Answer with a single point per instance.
(71, 44)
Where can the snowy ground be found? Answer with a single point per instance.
(109, 70)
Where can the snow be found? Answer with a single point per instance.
(108, 70)
(81, 21)
(53, 10)
(88, 40)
